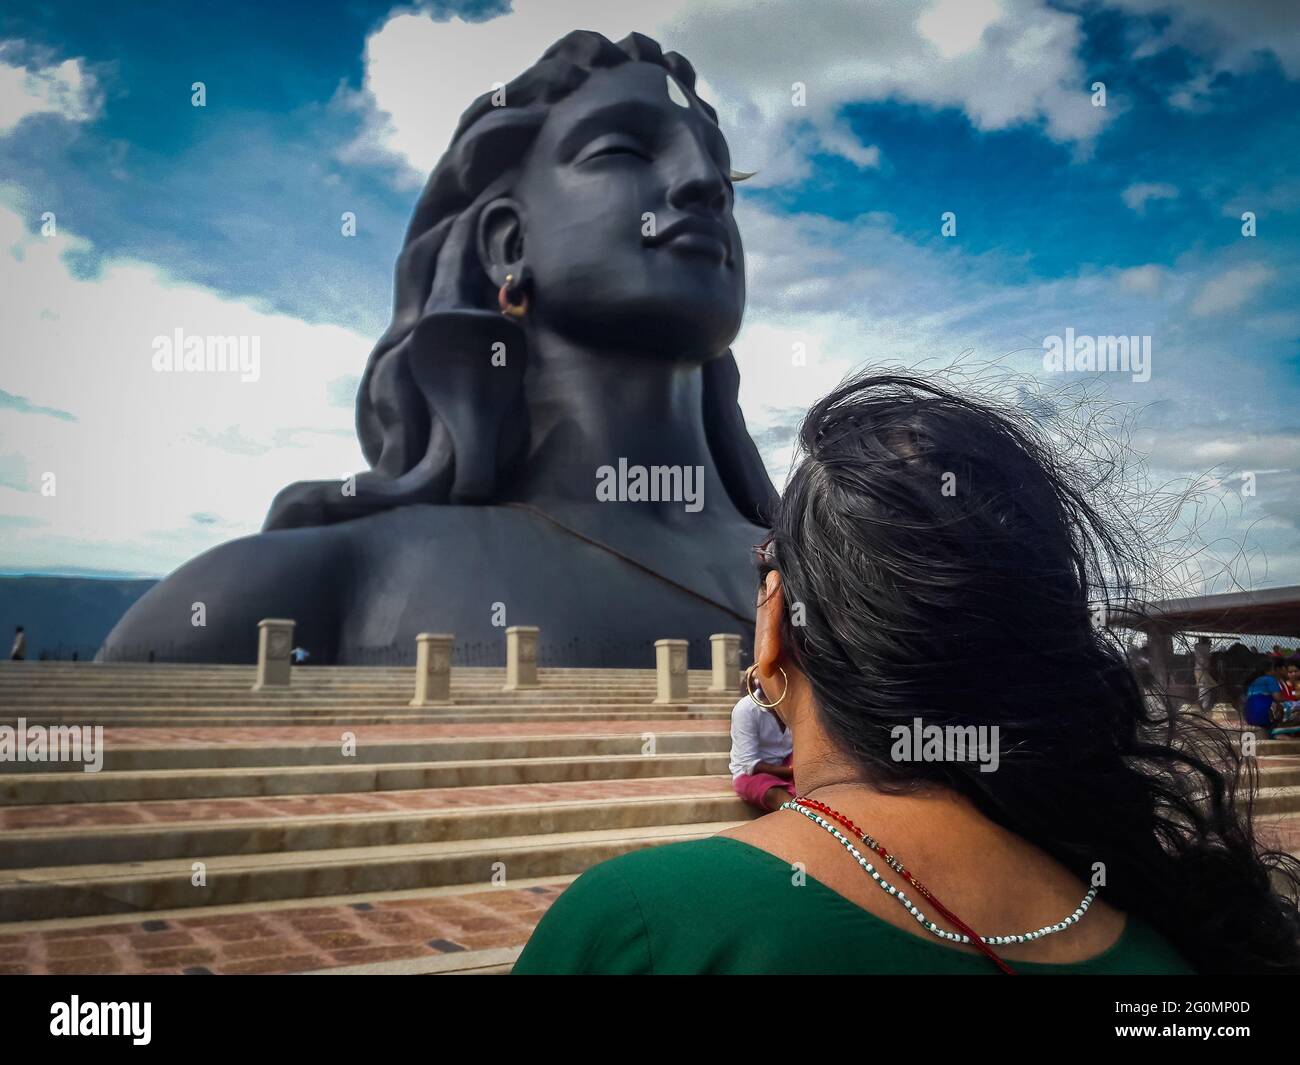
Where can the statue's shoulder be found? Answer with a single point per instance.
(276, 558)
(208, 609)
(412, 536)
(441, 519)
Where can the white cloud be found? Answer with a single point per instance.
(420, 74)
(65, 89)
(1137, 196)
(956, 27)
(840, 140)
(1146, 280)
(1002, 62)
(1230, 289)
(1280, 195)
(1193, 95)
(1232, 36)
(147, 451)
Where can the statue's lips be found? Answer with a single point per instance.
(695, 237)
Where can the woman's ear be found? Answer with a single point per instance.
(767, 626)
(501, 239)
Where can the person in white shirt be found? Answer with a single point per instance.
(761, 749)
(19, 651)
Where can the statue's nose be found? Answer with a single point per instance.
(698, 183)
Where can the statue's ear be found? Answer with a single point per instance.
(501, 239)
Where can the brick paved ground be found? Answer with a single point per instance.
(284, 941)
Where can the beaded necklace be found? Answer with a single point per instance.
(810, 809)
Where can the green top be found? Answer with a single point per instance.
(721, 906)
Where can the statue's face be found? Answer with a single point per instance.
(628, 232)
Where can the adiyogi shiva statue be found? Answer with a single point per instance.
(551, 419)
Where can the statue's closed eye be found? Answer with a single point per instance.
(614, 145)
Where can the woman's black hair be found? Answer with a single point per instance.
(437, 423)
(922, 525)
(1264, 669)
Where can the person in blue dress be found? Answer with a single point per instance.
(1266, 696)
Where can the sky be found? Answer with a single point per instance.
(127, 212)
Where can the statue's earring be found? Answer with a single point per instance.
(506, 299)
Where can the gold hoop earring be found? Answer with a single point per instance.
(507, 305)
(749, 687)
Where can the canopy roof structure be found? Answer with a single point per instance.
(1268, 611)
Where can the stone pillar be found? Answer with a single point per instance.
(670, 671)
(726, 662)
(1207, 688)
(1160, 649)
(521, 657)
(432, 668)
(274, 642)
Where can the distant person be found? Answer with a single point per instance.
(761, 750)
(19, 651)
(1207, 685)
(1291, 693)
(299, 655)
(1266, 695)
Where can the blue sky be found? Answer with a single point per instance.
(1122, 219)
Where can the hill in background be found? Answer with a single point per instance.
(64, 615)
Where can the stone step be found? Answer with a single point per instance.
(1278, 776)
(315, 709)
(109, 816)
(311, 675)
(298, 701)
(313, 732)
(181, 684)
(86, 890)
(182, 688)
(15, 676)
(665, 712)
(80, 712)
(75, 715)
(1266, 747)
(52, 667)
(1278, 800)
(202, 840)
(27, 789)
(245, 755)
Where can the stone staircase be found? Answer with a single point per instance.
(330, 826)
(1278, 800)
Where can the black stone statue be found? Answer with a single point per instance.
(551, 418)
